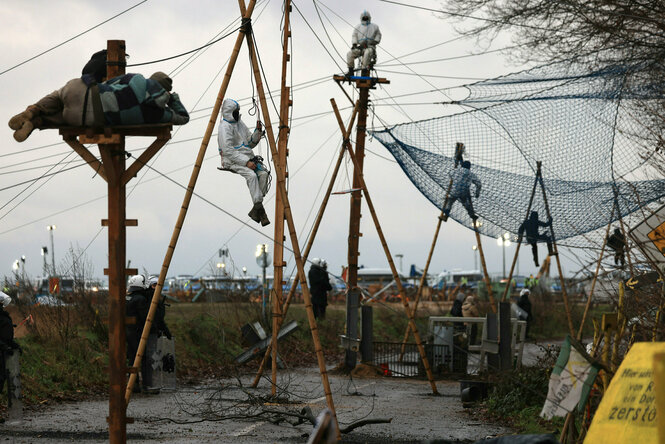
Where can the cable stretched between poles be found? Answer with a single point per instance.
(185, 205)
(386, 250)
(308, 247)
(281, 188)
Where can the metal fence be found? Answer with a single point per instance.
(387, 358)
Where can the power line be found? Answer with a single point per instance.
(72, 38)
(317, 37)
(457, 14)
(186, 53)
(445, 59)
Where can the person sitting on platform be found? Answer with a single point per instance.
(531, 227)
(129, 99)
(617, 242)
(363, 44)
(235, 146)
(462, 178)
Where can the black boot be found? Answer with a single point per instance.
(264, 217)
(255, 212)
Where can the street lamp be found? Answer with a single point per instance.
(475, 257)
(503, 242)
(51, 229)
(244, 271)
(44, 253)
(400, 256)
(262, 259)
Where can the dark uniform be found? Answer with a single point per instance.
(319, 285)
(159, 326)
(525, 304)
(136, 306)
(7, 344)
(531, 226)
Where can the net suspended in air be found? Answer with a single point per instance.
(581, 126)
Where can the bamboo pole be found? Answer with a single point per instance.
(310, 242)
(558, 261)
(621, 326)
(595, 278)
(386, 250)
(185, 205)
(486, 276)
(520, 236)
(281, 187)
(282, 149)
(420, 286)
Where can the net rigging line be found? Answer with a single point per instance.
(72, 38)
(571, 120)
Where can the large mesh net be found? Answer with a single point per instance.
(581, 126)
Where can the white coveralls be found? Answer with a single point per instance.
(461, 190)
(364, 40)
(235, 146)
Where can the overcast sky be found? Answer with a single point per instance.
(75, 200)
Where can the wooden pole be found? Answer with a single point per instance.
(185, 204)
(571, 329)
(113, 157)
(486, 275)
(521, 235)
(282, 150)
(384, 244)
(595, 278)
(310, 242)
(281, 188)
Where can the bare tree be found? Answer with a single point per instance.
(591, 34)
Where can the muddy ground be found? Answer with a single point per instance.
(417, 415)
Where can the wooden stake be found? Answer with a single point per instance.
(384, 244)
(422, 282)
(185, 205)
(310, 242)
(281, 188)
(278, 246)
(571, 329)
(486, 275)
(595, 278)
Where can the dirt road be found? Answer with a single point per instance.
(416, 414)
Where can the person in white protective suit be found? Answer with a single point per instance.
(363, 43)
(235, 147)
(461, 189)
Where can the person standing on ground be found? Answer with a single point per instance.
(159, 326)
(136, 306)
(470, 310)
(319, 285)
(7, 344)
(456, 309)
(525, 304)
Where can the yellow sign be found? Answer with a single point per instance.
(627, 412)
(657, 236)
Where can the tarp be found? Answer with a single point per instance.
(570, 383)
(627, 412)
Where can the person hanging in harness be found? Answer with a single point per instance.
(462, 178)
(617, 242)
(235, 147)
(130, 99)
(363, 44)
(532, 227)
